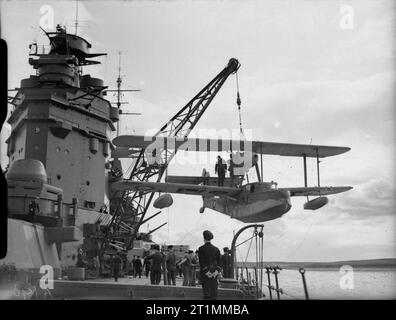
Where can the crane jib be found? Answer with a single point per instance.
(180, 125)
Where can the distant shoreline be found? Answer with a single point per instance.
(373, 264)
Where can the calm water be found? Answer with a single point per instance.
(325, 284)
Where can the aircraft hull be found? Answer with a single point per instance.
(258, 207)
(266, 215)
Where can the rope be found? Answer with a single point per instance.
(303, 240)
(249, 249)
(291, 296)
(285, 232)
(195, 228)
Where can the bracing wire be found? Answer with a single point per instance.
(303, 240)
(196, 224)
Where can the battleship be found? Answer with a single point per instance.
(61, 169)
(72, 208)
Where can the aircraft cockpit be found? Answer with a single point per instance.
(260, 186)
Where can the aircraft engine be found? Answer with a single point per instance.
(316, 203)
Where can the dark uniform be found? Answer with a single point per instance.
(171, 267)
(80, 259)
(137, 267)
(209, 261)
(116, 264)
(226, 263)
(156, 267)
(147, 264)
(231, 170)
(220, 169)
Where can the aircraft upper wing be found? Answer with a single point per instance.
(175, 188)
(315, 191)
(260, 147)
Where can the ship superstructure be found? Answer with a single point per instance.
(60, 142)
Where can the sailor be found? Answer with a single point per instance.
(185, 264)
(80, 259)
(171, 266)
(116, 266)
(156, 265)
(231, 170)
(220, 169)
(34, 209)
(226, 263)
(137, 267)
(209, 262)
(147, 264)
(196, 270)
(193, 265)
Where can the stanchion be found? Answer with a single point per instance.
(302, 271)
(275, 271)
(269, 281)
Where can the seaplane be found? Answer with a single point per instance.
(247, 202)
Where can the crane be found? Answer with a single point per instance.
(180, 125)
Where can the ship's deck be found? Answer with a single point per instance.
(133, 288)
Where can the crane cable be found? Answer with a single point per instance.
(238, 101)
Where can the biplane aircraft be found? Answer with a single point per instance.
(250, 202)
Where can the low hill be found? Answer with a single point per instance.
(372, 263)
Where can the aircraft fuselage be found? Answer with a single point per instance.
(256, 203)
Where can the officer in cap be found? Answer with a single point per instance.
(209, 262)
(226, 263)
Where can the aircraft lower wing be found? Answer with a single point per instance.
(211, 181)
(124, 153)
(314, 191)
(181, 188)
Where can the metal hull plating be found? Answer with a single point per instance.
(257, 207)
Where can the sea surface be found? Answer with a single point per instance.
(367, 283)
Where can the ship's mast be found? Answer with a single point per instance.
(119, 81)
(76, 22)
(119, 94)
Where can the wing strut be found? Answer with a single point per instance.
(317, 168)
(261, 162)
(305, 170)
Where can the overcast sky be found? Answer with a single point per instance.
(304, 77)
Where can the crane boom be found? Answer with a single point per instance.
(180, 125)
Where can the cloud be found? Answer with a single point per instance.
(374, 198)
